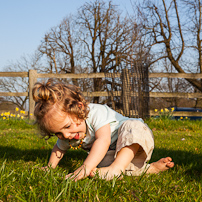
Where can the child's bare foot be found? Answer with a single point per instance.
(106, 173)
(161, 165)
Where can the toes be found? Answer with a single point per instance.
(170, 164)
(167, 159)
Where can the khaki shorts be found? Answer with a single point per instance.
(133, 131)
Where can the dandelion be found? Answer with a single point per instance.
(161, 110)
(2, 114)
(4, 118)
(18, 115)
(31, 114)
(156, 110)
(186, 117)
(16, 109)
(172, 109)
(181, 117)
(22, 117)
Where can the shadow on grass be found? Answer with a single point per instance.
(191, 162)
(15, 154)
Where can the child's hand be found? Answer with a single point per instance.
(45, 168)
(80, 173)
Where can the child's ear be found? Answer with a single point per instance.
(81, 106)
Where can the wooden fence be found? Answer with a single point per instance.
(33, 76)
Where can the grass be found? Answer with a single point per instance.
(22, 152)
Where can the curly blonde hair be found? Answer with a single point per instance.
(68, 98)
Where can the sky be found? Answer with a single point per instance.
(23, 24)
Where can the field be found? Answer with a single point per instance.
(23, 152)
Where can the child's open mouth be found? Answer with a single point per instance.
(76, 136)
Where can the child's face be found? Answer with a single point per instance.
(67, 127)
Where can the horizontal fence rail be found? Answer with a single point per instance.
(100, 75)
(14, 74)
(118, 93)
(33, 76)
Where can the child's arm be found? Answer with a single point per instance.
(55, 157)
(96, 154)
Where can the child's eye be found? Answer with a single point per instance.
(67, 126)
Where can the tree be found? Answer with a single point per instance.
(60, 47)
(166, 24)
(108, 39)
(96, 39)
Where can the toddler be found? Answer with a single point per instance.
(116, 144)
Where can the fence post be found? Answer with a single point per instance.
(126, 92)
(32, 81)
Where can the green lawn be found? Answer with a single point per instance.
(22, 152)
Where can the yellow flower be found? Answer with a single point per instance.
(6, 113)
(31, 114)
(18, 115)
(161, 110)
(2, 114)
(4, 118)
(181, 117)
(156, 110)
(166, 110)
(13, 115)
(172, 109)
(186, 117)
(22, 117)
(16, 109)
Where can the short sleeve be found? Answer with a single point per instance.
(63, 144)
(99, 116)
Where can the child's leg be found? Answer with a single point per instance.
(124, 157)
(122, 160)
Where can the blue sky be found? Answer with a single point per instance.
(23, 24)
